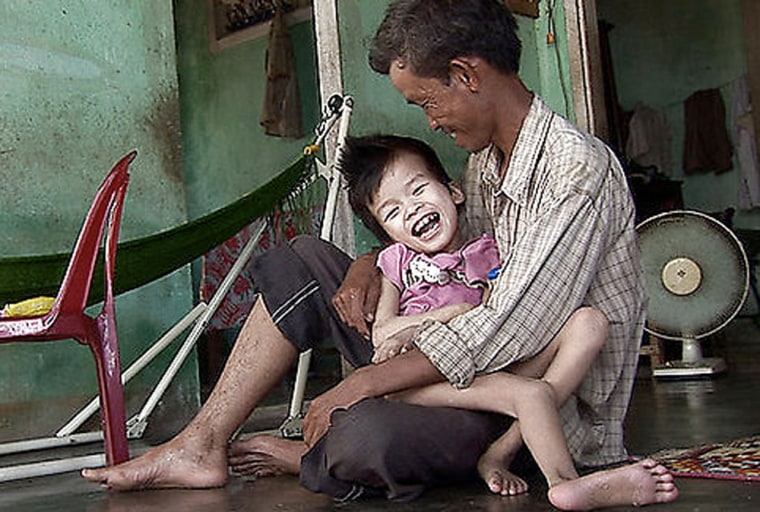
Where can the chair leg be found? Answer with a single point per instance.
(111, 392)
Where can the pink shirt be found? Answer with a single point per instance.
(431, 282)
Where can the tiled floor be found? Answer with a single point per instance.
(663, 414)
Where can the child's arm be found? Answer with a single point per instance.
(386, 317)
(391, 333)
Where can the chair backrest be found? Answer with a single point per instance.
(105, 212)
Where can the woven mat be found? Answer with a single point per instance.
(735, 460)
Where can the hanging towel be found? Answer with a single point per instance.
(281, 113)
(649, 139)
(707, 146)
(746, 148)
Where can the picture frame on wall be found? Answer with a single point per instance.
(232, 22)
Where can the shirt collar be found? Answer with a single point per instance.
(525, 154)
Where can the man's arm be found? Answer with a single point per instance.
(545, 277)
(409, 370)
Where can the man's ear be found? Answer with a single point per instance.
(456, 192)
(465, 71)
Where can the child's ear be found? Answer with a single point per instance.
(456, 192)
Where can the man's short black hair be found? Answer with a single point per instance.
(363, 161)
(427, 34)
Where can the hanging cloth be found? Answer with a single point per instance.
(648, 141)
(744, 141)
(281, 113)
(707, 146)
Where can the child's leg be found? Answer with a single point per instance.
(563, 364)
(567, 359)
(530, 400)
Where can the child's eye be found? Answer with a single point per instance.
(419, 189)
(390, 215)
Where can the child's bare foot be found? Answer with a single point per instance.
(493, 467)
(180, 463)
(264, 455)
(643, 483)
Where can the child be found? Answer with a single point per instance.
(429, 272)
(399, 189)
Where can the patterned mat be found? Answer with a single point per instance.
(735, 460)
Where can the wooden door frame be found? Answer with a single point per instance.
(586, 68)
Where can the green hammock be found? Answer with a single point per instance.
(143, 260)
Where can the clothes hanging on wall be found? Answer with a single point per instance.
(649, 140)
(281, 113)
(707, 146)
(743, 131)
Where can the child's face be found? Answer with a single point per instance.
(415, 208)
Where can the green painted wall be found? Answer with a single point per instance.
(226, 152)
(665, 51)
(82, 83)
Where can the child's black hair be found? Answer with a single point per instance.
(363, 162)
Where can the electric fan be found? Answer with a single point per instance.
(697, 277)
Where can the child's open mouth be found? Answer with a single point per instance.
(426, 225)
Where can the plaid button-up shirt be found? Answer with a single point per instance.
(564, 222)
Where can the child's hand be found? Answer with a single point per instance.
(397, 330)
(390, 348)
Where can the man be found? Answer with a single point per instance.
(557, 202)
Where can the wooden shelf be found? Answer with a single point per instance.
(231, 39)
(525, 7)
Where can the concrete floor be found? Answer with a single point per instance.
(664, 414)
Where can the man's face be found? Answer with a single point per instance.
(451, 108)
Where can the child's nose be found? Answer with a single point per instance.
(412, 210)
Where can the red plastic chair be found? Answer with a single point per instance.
(67, 318)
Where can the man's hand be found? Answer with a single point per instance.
(408, 370)
(356, 299)
(317, 419)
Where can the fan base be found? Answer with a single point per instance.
(705, 367)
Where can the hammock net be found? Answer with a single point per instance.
(143, 260)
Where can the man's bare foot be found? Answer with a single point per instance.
(179, 463)
(265, 455)
(643, 483)
(493, 467)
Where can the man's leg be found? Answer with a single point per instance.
(265, 455)
(376, 446)
(263, 353)
(197, 456)
(383, 447)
